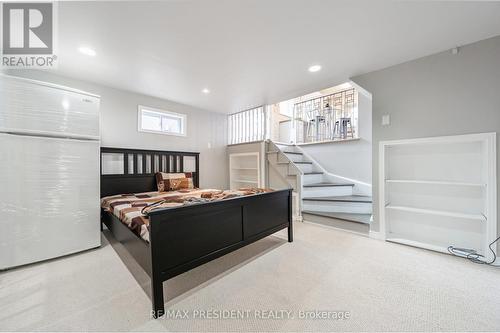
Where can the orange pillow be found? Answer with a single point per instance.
(174, 181)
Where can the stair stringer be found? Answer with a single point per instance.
(272, 162)
(360, 188)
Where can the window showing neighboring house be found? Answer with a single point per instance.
(160, 121)
(248, 126)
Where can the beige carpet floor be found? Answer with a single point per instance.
(383, 286)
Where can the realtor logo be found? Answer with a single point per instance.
(28, 35)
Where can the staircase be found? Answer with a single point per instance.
(320, 200)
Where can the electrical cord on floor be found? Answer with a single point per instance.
(473, 256)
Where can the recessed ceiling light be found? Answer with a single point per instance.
(87, 51)
(314, 68)
(206, 91)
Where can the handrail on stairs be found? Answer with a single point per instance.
(282, 154)
(298, 174)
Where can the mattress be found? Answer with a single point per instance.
(132, 208)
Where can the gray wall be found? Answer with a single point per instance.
(119, 126)
(350, 159)
(442, 94)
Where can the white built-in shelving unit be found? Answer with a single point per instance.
(244, 170)
(439, 192)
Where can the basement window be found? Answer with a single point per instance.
(152, 120)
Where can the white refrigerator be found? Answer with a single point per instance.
(49, 171)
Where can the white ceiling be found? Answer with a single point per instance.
(250, 52)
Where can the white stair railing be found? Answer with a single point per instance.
(281, 157)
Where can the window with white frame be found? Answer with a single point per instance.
(160, 121)
(248, 126)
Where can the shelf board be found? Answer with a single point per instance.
(244, 168)
(434, 182)
(479, 217)
(245, 181)
(400, 240)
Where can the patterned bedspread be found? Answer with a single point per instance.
(132, 208)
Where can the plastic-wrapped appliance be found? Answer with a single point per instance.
(49, 171)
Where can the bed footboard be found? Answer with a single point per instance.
(186, 237)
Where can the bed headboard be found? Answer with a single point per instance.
(126, 170)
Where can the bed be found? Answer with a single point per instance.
(185, 236)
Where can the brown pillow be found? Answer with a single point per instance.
(174, 181)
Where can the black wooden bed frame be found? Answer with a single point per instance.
(186, 237)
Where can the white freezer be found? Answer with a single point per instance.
(38, 108)
(49, 198)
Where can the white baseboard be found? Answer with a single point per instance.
(377, 235)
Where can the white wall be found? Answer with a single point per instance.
(442, 94)
(349, 159)
(119, 126)
(252, 147)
